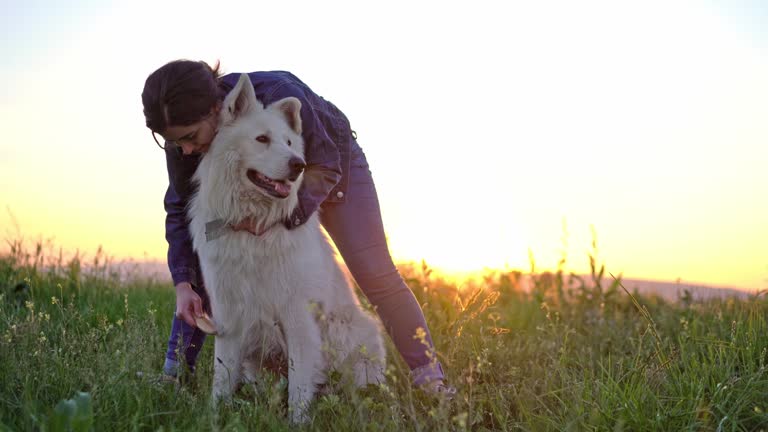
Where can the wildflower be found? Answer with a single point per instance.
(54, 300)
(30, 305)
(42, 338)
(386, 389)
(421, 335)
(430, 355)
(120, 322)
(461, 420)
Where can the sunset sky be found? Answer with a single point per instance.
(491, 130)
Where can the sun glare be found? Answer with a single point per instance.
(460, 250)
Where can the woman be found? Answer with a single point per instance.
(181, 103)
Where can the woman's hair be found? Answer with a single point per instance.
(180, 93)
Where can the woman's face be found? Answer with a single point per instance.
(194, 138)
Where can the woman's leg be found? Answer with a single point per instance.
(356, 228)
(190, 338)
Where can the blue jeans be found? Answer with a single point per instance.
(356, 228)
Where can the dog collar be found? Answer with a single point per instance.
(217, 228)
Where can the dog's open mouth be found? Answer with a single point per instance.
(276, 188)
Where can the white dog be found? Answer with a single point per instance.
(281, 292)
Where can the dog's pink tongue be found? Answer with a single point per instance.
(282, 189)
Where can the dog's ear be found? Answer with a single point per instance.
(290, 108)
(240, 100)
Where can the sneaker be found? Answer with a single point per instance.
(439, 388)
(159, 380)
(164, 379)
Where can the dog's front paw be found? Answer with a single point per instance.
(220, 395)
(299, 413)
(217, 401)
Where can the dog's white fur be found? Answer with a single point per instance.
(283, 291)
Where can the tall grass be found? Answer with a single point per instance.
(80, 348)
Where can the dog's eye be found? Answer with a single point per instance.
(263, 139)
(289, 143)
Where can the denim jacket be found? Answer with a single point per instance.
(327, 136)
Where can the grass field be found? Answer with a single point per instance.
(80, 350)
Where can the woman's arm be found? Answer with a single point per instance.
(182, 261)
(322, 155)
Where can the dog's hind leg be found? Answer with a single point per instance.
(370, 358)
(305, 361)
(358, 349)
(227, 368)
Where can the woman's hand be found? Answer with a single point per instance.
(188, 304)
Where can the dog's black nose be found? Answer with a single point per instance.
(296, 165)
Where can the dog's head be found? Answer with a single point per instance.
(258, 153)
